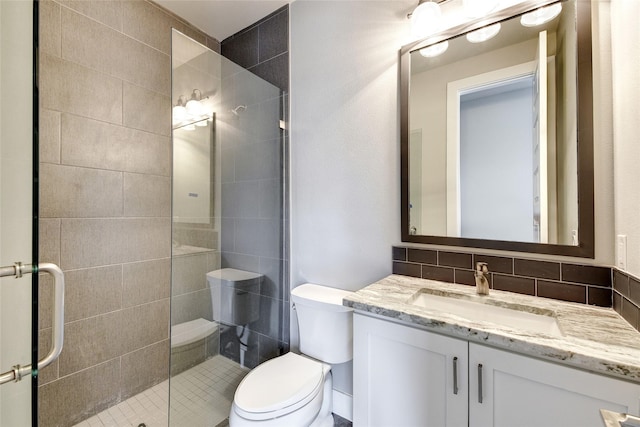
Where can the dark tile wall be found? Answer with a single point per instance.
(263, 48)
(585, 284)
(254, 238)
(626, 297)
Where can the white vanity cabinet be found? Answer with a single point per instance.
(509, 389)
(404, 376)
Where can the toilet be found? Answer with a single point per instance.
(295, 390)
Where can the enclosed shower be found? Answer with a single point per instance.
(229, 271)
(172, 239)
(229, 292)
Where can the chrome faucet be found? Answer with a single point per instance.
(482, 278)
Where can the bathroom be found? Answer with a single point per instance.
(344, 172)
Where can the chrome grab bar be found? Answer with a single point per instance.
(57, 324)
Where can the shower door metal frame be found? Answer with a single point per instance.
(18, 269)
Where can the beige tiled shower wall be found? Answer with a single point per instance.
(105, 199)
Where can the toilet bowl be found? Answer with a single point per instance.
(290, 390)
(296, 390)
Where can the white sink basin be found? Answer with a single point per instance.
(516, 318)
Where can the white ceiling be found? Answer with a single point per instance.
(222, 18)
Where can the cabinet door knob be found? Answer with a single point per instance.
(479, 382)
(455, 375)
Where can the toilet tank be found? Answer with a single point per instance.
(235, 296)
(325, 325)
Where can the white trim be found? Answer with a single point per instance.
(343, 405)
(542, 132)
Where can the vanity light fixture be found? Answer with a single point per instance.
(479, 8)
(435, 49)
(483, 34)
(426, 19)
(541, 16)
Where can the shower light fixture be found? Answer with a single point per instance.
(426, 18)
(483, 34)
(434, 49)
(541, 16)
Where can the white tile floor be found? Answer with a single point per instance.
(204, 396)
(200, 397)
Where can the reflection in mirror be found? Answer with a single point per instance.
(193, 148)
(490, 135)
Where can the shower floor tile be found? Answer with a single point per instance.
(203, 398)
(200, 397)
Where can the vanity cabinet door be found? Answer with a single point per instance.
(405, 376)
(521, 391)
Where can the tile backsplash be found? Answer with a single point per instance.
(568, 282)
(586, 284)
(626, 297)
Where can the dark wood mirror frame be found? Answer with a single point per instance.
(586, 245)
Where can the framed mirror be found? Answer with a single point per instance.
(496, 133)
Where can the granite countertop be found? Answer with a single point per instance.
(593, 338)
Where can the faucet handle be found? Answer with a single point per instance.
(482, 267)
(482, 278)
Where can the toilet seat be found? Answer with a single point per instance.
(279, 387)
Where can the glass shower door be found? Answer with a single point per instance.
(229, 307)
(16, 47)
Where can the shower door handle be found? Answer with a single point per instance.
(57, 326)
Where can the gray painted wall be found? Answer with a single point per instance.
(344, 141)
(345, 165)
(626, 65)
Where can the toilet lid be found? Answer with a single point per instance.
(288, 381)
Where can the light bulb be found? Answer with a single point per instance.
(426, 19)
(479, 8)
(179, 114)
(484, 33)
(194, 107)
(435, 49)
(189, 127)
(541, 16)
